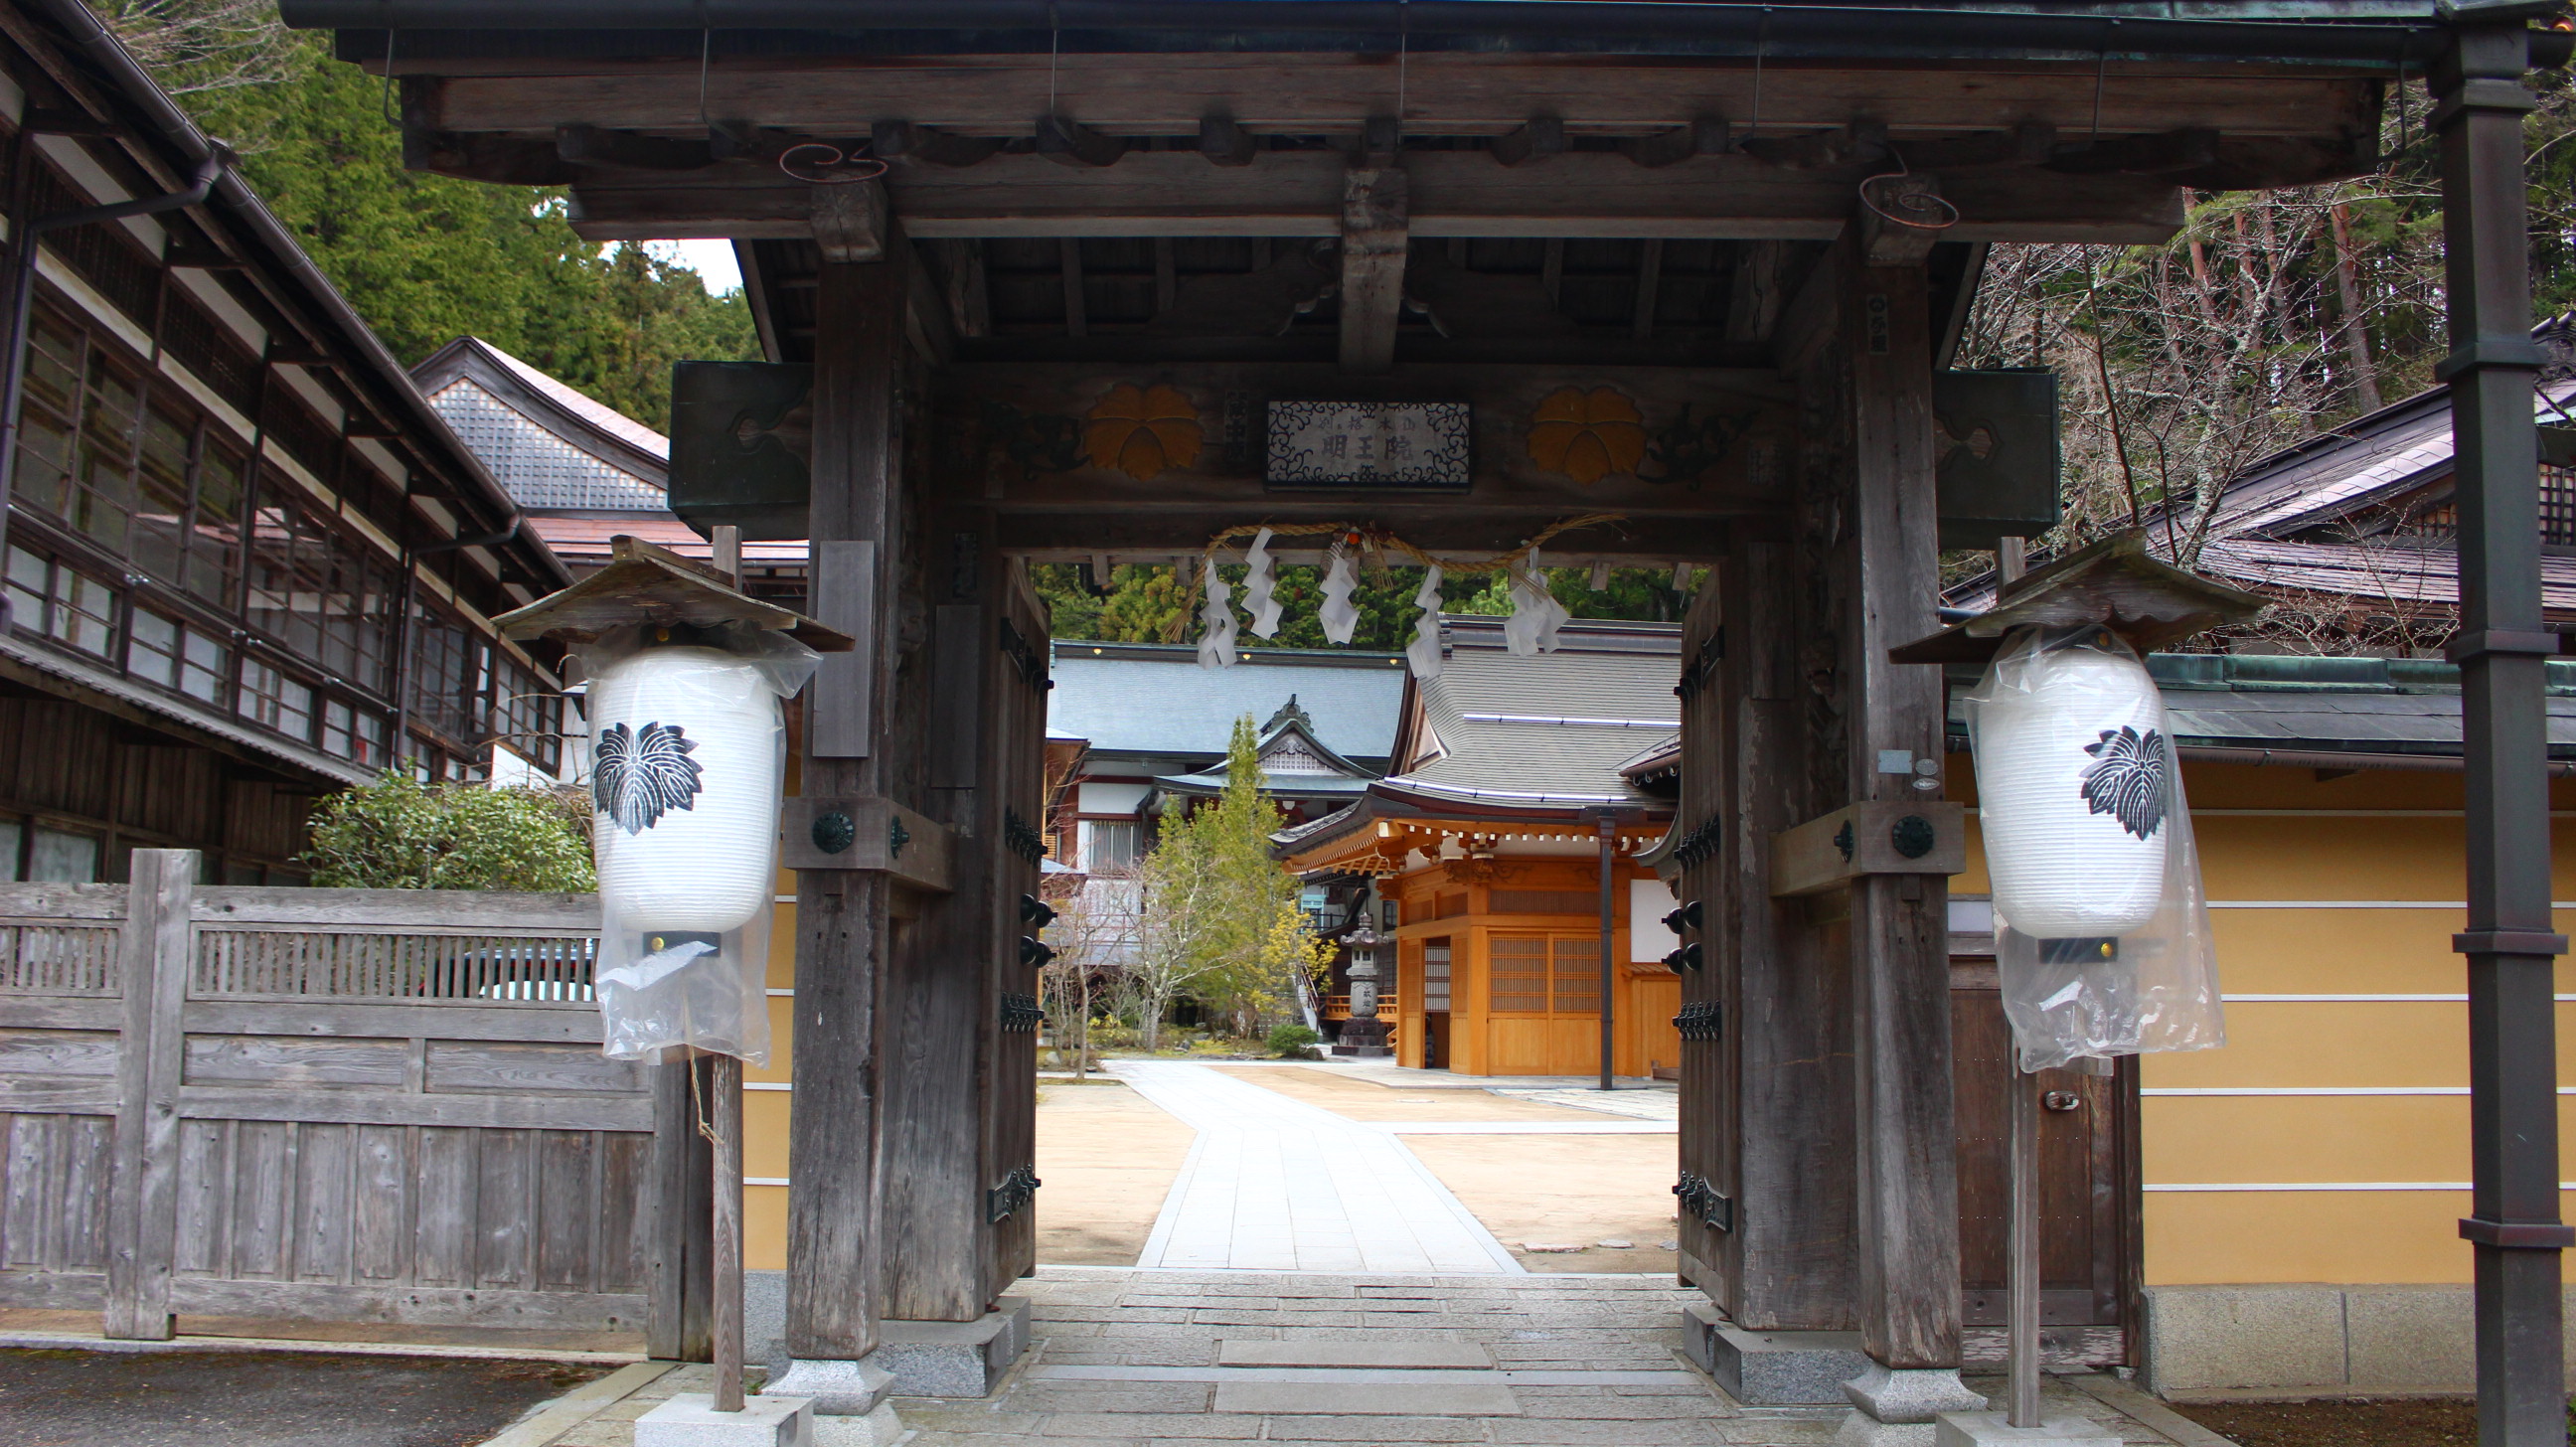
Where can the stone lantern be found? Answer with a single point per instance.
(1364, 1034)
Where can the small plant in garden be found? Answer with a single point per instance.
(1288, 1042)
(398, 833)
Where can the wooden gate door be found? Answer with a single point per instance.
(1017, 720)
(322, 1105)
(2086, 1235)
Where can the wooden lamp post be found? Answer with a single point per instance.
(2117, 586)
(649, 586)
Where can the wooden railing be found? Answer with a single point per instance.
(1338, 1007)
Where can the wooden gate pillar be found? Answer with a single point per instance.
(843, 924)
(1906, 1209)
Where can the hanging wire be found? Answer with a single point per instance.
(835, 167)
(1055, 48)
(1403, 60)
(1922, 208)
(2101, 68)
(1761, 45)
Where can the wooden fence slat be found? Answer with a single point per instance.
(386, 909)
(143, 1210)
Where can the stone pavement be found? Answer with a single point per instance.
(1123, 1358)
(1275, 1184)
(1138, 1359)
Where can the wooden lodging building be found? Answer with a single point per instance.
(246, 563)
(1082, 280)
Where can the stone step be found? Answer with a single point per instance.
(1397, 1352)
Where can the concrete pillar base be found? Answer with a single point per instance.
(836, 1388)
(1896, 1408)
(1995, 1429)
(953, 1358)
(1772, 1368)
(691, 1420)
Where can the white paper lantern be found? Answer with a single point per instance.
(685, 776)
(2072, 793)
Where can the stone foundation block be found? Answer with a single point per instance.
(691, 1420)
(1780, 1368)
(1995, 1429)
(953, 1358)
(2220, 1338)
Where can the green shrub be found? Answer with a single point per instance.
(398, 833)
(1290, 1041)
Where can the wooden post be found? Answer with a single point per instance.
(2021, 1254)
(833, 1290)
(1608, 828)
(1906, 1179)
(727, 1124)
(725, 1084)
(678, 1326)
(154, 957)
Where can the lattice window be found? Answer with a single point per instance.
(1519, 971)
(62, 603)
(177, 657)
(211, 350)
(1578, 974)
(272, 699)
(447, 676)
(530, 713)
(150, 483)
(323, 596)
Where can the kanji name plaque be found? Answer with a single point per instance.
(1368, 444)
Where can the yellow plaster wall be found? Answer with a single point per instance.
(2274, 837)
(764, 1112)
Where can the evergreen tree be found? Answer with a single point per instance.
(1219, 919)
(426, 259)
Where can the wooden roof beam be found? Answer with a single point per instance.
(996, 96)
(1451, 193)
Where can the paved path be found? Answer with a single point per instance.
(1275, 1184)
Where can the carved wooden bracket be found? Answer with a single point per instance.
(1899, 836)
(866, 832)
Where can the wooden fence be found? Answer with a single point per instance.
(328, 1105)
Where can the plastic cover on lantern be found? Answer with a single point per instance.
(688, 759)
(2102, 938)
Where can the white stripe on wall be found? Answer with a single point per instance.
(2318, 1090)
(782, 1180)
(2326, 1186)
(2359, 904)
(767, 1085)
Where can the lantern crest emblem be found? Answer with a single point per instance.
(639, 775)
(2129, 781)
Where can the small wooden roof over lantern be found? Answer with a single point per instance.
(2116, 583)
(646, 584)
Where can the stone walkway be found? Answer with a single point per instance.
(1274, 1184)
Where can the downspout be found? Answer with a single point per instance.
(22, 294)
